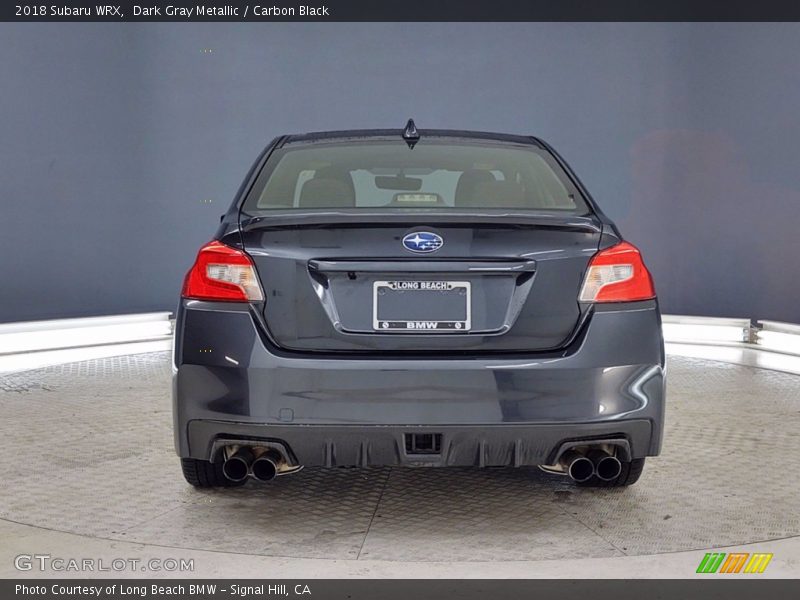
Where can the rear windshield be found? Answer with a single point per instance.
(434, 174)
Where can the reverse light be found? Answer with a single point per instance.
(222, 273)
(617, 274)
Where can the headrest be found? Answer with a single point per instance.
(500, 194)
(466, 186)
(328, 192)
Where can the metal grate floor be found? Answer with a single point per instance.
(92, 454)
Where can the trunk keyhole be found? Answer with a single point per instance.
(351, 275)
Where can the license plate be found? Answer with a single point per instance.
(421, 306)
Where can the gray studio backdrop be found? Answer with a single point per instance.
(120, 145)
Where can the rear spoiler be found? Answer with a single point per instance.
(392, 217)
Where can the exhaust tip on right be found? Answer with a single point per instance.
(267, 464)
(264, 469)
(607, 467)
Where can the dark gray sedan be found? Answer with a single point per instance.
(421, 298)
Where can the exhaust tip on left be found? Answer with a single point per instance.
(237, 467)
(578, 467)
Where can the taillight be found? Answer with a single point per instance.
(222, 273)
(617, 274)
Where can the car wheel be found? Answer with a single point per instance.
(205, 474)
(630, 473)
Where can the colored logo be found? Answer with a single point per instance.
(735, 562)
(422, 241)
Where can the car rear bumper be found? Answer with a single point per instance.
(457, 446)
(230, 383)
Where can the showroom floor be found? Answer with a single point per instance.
(100, 474)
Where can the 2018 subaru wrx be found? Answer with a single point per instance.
(405, 297)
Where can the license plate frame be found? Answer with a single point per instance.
(425, 326)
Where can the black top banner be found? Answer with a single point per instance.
(402, 10)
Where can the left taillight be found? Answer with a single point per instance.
(617, 274)
(222, 273)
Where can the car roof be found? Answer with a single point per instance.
(350, 134)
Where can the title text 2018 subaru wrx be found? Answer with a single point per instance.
(420, 298)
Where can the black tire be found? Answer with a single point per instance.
(631, 471)
(205, 474)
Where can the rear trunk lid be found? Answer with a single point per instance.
(344, 281)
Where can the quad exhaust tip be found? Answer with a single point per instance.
(237, 466)
(595, 462)
(262, 464)
(266, 466)
(606, 466)
(579, 467)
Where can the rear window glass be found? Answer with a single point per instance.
(433, 174)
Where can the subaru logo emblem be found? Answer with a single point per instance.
(422, 241)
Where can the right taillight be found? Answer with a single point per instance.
(222, 273)
(617, 274)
